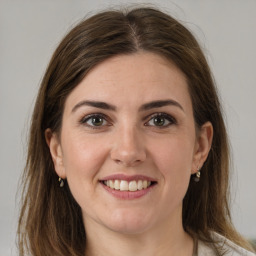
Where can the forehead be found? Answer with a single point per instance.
(133, 80)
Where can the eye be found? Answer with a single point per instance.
(95, 121)
(161, 120)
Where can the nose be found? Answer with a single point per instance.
(128, 148)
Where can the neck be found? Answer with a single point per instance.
(167, 238)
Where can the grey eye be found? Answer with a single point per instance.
(94, 121)
(161, 120)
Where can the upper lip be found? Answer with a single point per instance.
(128, 177)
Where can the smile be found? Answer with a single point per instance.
(128, 187)
(124, 185)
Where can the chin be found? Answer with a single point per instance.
(128, 222)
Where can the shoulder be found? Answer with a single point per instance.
(227, 247)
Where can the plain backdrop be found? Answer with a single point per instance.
(31, 30)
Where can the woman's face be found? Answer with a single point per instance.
(128, 143)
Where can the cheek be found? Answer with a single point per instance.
(174, 159)
(174, 154)
(82, 158)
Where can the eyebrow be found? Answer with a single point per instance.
(144, 107)
(159, 104)
(95, 104)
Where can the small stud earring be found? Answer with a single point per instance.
(197, 175)
(61, 181)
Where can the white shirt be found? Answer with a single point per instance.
(230, 248)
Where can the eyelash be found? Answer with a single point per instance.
(171, 120)
(85, 119)
(167, 117)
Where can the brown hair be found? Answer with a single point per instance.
(50, 220)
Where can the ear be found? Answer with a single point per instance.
(54, 145)
(202, 146)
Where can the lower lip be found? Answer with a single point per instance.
(127, 195)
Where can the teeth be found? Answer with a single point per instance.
(140, 185)
(124, 185)
(133, 185)
(144, 184)
(111, 184)
(117, 184)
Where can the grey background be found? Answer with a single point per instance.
(30, 31)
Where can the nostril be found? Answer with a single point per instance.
(118, 161)
(127, 163)
(128, 158)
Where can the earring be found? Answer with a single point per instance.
(197, 175)
(61, 181)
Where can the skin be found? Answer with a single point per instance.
(130, 141)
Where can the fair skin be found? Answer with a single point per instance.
(130, 121)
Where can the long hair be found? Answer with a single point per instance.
(50, 221)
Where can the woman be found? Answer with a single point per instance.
(128, 152)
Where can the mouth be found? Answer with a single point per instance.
(128, 183)
(124, 185)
